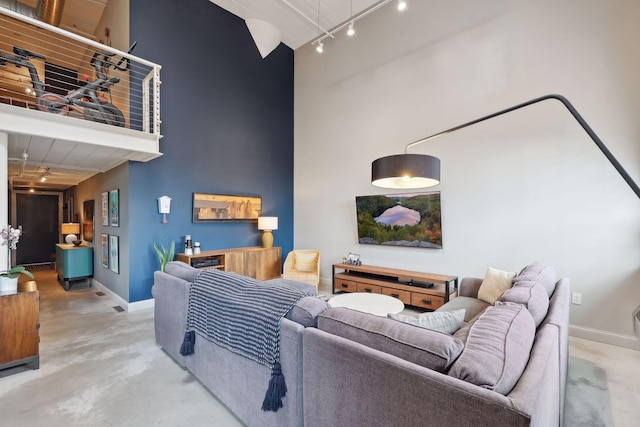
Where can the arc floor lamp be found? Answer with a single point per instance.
(420, 170)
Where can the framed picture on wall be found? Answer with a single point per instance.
(105, 208)
(223, 207)
(105, 250)
(114, 208)
(113, 254)
(87, 219)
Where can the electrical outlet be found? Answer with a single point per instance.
(576, 298)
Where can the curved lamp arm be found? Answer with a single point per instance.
(616, 164)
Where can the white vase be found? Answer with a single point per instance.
(8, 285)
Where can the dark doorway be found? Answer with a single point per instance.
(37, 214)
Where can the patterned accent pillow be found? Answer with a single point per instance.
(440, 321)
(494, 284)
(305, 261)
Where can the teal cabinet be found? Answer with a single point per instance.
(73, 262)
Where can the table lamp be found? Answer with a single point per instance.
(267, 223)
(70, 229)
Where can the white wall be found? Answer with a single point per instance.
(526, 186)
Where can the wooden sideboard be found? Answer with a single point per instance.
(257, 262)
(19, 328)
(419, 289)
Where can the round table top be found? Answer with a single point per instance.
(377, 304)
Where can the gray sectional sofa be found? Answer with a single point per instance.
(236, 381)
(506, 366)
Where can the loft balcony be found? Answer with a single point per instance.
(70, 105)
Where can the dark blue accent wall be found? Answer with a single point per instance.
(227, 122)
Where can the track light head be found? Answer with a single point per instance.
(402, 5)
(320, 47)
(351, 32)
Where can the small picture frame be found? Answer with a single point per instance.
(105, 250)
(113, 254)
(105, 208)
(114, 208)
(352, 259)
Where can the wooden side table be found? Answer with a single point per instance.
(20, 327)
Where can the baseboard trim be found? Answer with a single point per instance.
(127, 306)
(626, 341)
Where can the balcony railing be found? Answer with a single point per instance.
(43, 67)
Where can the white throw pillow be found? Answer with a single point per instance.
(440, 321)
(494, 284)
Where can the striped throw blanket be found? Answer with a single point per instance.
(242, 315)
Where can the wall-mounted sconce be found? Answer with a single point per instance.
(164, 207)
(267, 223)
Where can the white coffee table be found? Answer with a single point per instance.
(377, 304)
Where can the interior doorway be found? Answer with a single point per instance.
(38, 216)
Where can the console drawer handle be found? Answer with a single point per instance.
(368, 290)
(344, 285)
(426, 301)
(395, 295)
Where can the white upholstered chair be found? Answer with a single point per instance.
(303, 265)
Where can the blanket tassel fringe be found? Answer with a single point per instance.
(188, 344)
(276, 391)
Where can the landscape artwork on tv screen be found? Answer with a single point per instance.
(408, 220)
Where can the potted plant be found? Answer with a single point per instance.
(164, 255)
(9, 237)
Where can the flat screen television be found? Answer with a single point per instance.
(407, 220)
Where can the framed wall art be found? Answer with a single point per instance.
(105, 208)
(114, 208)
(221, 207)
(105, 250)
(113, 254)
(88, 208)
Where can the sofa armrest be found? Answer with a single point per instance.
(171, 296)
(469, 287)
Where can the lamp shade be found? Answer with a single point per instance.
(406, 171)
(268, 223)
(70, 228)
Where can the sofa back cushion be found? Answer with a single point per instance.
(433, 350)
(444, 321)
(538, 272)
(497, 348)
(532, 295)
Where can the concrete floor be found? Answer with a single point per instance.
(101, 367)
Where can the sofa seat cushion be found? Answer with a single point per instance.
(444, 321)
(538, 272)
(306, 311)
(472, 306)
(424, 347)
(497, 347)
(495, 282)
(532, 295)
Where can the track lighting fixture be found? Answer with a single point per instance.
(351, 31)
(45, 174)
(402, 5)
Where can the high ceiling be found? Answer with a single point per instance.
(297, 20)
(67, 163)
